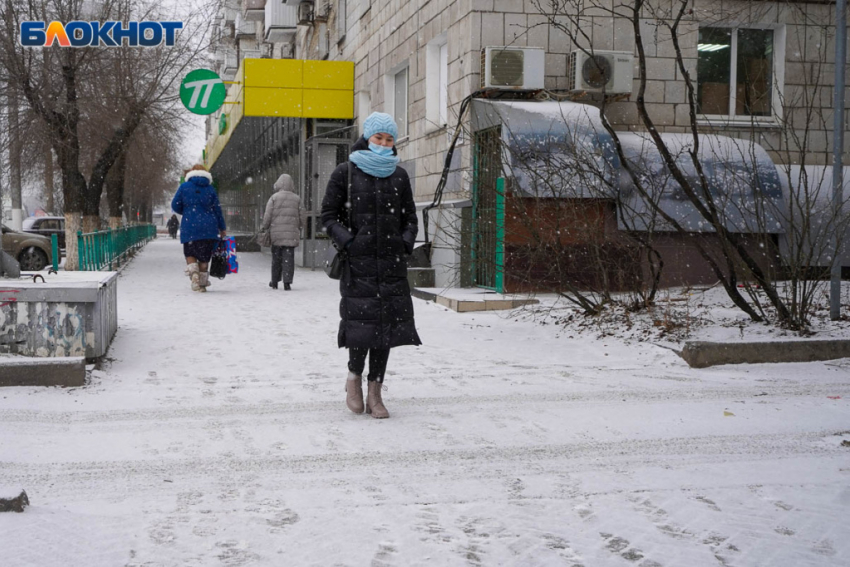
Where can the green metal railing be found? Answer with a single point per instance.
(107, 249)
(54, 251)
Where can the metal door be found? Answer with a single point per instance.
(322, 156)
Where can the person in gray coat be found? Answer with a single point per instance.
(283, 219)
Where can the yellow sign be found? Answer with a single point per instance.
(286, 88)
(296, 88)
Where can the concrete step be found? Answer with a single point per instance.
(420, 277)
(25, 371)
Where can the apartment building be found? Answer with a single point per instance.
(763, 72)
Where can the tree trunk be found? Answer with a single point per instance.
(114, 151)
(49, 205)
(115, 189)
(15, 161)
(73, 185)
(72, 226)
(91, 223)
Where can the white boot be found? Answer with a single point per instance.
(195, 276)
(204, 280)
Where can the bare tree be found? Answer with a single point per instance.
(84, 84)
(733, 194)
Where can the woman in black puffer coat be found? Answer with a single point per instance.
(376, 308)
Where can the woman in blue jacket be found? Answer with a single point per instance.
(202, 225)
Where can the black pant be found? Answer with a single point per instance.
(377, 362)
(283, 264)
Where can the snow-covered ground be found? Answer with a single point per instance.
(216, 434)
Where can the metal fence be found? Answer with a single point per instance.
(107, 249)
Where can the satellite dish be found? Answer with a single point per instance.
(596, 71)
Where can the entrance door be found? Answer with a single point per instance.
(322, 156)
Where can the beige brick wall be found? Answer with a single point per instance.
(394, 31)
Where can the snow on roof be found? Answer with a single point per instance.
(740, 177)
(550, 148)
(811, 221)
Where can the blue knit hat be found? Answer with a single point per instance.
(379, 122)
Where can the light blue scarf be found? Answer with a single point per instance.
(377, 160)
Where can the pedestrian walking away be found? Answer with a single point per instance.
(202, 225)
(374, 222)
(172, 225)
(283, 218)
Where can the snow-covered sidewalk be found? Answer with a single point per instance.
(216, 433)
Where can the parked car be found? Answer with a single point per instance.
(47, 226)
(31, 250)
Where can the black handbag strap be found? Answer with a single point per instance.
(348, 195)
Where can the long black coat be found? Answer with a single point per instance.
(376, 308)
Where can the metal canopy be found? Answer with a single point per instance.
(561, 150)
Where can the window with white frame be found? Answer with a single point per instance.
(395, 98)
(736, 72)
(436, 82)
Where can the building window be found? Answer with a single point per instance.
(437, 82)
(736, 72)
(397, 100)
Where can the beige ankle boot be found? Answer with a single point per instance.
(204, 280)
(374, 403)
(354, 392)
(195, 276)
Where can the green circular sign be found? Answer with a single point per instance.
(222, 124)
(202, 92)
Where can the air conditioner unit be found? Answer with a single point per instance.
(605, 71)
(322, 13)
(305, 13)
(512, 68)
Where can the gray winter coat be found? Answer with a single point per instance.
(284, 213)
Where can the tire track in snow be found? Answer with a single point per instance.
(317, 411)
(460, 463)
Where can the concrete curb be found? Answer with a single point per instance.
(466, 306)
(424, 295)
(22, 371)
(702, 354)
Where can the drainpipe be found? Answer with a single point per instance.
(837, 155)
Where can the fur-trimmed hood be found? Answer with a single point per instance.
(197, 175)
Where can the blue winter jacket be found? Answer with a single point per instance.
(197, 201)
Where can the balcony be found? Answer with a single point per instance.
(251, 54)
(280, 22)
(229, 12)
(255, 10)
(230, 66)
(244, 28)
